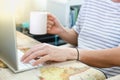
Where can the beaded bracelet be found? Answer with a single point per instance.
(77, 54)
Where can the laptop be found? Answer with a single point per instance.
(9, 53)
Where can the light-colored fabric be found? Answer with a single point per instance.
(98, 27)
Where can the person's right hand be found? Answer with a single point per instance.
(53, 25)
(46, 52)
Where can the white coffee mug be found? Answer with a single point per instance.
(38, 23)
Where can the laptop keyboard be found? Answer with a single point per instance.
(22, 66)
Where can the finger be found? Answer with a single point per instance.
(48, 29)
(49, 26)
(32, 50)
(41, 60)
(50, 17)
(34, 55)
(50, 22)
(28, 53)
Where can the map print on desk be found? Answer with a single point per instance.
(2, 65)
(70, 70)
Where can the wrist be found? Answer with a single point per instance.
(73, 54)
(61, 31)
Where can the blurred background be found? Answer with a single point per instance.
(65, 10)
(24, 7)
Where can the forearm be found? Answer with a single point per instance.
(101, 58)
(69, 35)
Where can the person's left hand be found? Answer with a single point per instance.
(48, 52)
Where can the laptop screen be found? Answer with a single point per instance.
(8, 40)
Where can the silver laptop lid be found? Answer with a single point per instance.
(8, 40)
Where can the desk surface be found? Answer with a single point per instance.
(24, 41)
(6, 74)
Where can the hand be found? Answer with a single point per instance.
(116, 1)
(53, 25)
(48, 52)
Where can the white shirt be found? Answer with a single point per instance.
(98, 27)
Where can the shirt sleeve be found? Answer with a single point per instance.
(76, 29)
(80, 20)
